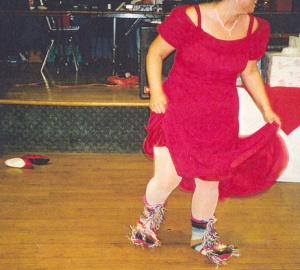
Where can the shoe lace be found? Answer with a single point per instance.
(211, 236)
(153, 216)
(211, 244)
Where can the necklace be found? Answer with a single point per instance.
(228, 30)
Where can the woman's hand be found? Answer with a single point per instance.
(158, 102)
(270, 116)
(256, 88)
(157, 52)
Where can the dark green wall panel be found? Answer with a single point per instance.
(72, 129)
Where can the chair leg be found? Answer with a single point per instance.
(75, 58)
(47, 54)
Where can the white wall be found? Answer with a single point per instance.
(251, 120)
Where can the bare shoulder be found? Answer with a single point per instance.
(255, 25)
(191, 12)
(244, 22)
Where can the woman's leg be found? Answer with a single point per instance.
(205, 199)
(204, 237)
(165, 178)
(159, 188)
(204, 202)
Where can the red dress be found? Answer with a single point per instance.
(200, 127)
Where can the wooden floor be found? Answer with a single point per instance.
(24, 84)
(74, 213)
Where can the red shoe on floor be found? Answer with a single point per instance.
(21, 163)
(131, 79)
(37, 159)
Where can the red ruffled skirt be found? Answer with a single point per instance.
(251, 167)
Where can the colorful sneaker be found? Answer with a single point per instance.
(212, 248)
(145, 233)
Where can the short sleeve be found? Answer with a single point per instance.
(259, 40)
(177, 28)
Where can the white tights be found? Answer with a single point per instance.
(165, 180)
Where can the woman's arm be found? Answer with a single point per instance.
(158, 50)
(255, 86)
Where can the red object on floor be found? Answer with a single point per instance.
(37, 159)
(123, 81)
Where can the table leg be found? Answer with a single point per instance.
(114, 46)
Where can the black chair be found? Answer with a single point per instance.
(62, 36)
